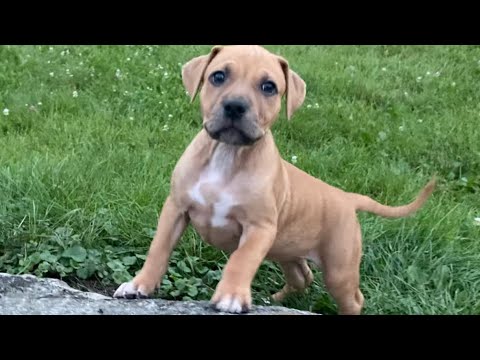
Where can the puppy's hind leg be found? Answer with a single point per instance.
(341, 270)
(298, 277)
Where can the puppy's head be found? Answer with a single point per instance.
(241, 88)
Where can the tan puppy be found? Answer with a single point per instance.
(232, 185)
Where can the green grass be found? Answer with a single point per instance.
(82, 179)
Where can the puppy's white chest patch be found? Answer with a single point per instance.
(212, 181)
(207, 178)
(221, 209)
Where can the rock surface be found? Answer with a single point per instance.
(30, 295)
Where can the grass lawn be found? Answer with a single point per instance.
(89, 136)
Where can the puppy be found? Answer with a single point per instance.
(233, 187)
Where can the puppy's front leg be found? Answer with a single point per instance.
(171, 225)
(233, 292)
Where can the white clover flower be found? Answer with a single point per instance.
(437, 74)
(50, 48)
(128, 59)
(454, 84)
(419, 78)
(428, 73)
(51, 74)
(401, 128)
(384, 69)
(476, 221)
(75, 94)
(165, 127)
(118, 73)
(294, 159)
(6, 112)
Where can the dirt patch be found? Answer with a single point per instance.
(17, 283)
(92, 286)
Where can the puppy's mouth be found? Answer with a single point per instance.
(239, 133)
(232, 136)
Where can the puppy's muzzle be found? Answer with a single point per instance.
(235, 109)
(234, 122)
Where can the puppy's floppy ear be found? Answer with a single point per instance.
(296, 88)
(194, 70)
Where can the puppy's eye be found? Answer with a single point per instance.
(218, 78)
(269, 88)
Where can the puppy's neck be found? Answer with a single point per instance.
(227, 159)
(222, 158)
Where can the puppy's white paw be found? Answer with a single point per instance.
(231, 304)
(129, 290)
(231, 298)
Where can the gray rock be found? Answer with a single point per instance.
(30, 295)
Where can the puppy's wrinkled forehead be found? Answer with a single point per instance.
(249, 62)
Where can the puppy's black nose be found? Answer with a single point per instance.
(234, 109)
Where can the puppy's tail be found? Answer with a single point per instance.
(364, 203)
